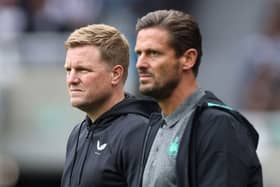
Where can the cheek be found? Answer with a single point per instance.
(168, 71)
(97, 82)
(67, 81)
(163, 72)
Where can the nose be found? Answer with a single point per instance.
(141, 62)
(72, 77)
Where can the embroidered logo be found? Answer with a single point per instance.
(100, 147)
(173, 147)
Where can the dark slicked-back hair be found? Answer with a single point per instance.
(183, 30)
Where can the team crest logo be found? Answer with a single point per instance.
(173, 147)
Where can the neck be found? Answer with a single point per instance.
(114, 99)
(184, 90)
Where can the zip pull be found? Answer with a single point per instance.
(88, 133)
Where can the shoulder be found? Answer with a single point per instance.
(125, 128)
(130, 120)
(221, 131)
(217, 129)
(128, 134)
(217, 110)
(216, 118)
(131, 125)
(223, 120)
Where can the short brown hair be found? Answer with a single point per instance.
(183, 29)
(113, 45)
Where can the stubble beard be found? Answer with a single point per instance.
(91, 106)
(161, 92)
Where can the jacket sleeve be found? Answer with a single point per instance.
(224, 153)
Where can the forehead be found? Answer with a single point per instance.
(88, 54)
(152, 37)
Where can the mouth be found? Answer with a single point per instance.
(143, 76)
(74, 91)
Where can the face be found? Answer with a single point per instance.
(88, 78)
(157, 65)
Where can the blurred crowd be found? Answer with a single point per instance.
(261, 86)
(51, 15)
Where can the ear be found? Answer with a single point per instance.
(117, 74)
(188, 59)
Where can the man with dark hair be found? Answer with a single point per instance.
(201, 142)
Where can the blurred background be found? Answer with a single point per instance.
(241, 64)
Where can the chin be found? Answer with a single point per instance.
(145, 88)
(76, 102)
(146, 91)
(81, 105)
(155, 93)
(76, 105)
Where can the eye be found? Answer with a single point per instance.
(83, 70)
(153, 53)
(67, 70)
(138, 53)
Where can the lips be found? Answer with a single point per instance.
(75, 91)
(145, 76)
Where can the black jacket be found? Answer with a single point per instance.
(105, 153)
(218, 148)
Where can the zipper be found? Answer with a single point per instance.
(89, 138)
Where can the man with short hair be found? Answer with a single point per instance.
(103, 150)
(202, 142)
